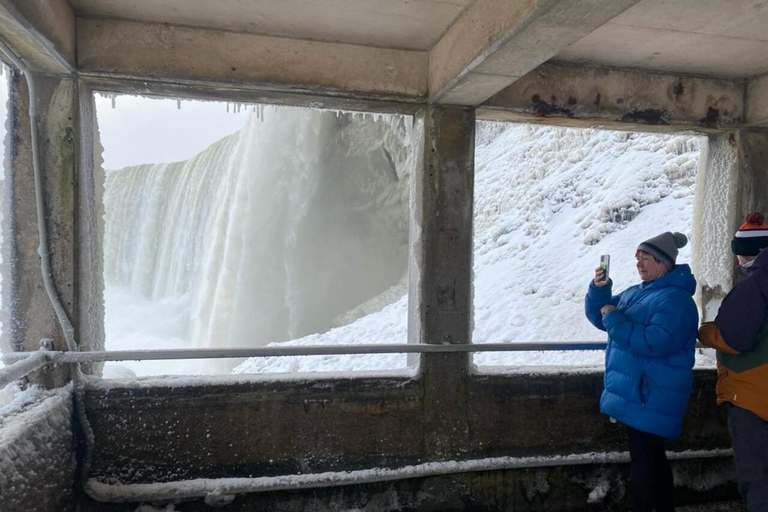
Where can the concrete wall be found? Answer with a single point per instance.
(163, 431)
(31, 314)
(37, 454)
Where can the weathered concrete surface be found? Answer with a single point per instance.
(441, 296)
(570, 95)
(757, 101)
(54, 19)
(497, 41)
(32, 316)
(446, 198)
(89, 228)
(753, 187)
(37, 456)
(253, 428)
(250, 94)
(42, 32)
(414, 25)
(723, 38)
(178, 54)
(157, 432)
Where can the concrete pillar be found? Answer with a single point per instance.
(442, 288)
(31, 314)
(732, 181)
(90, 213)
(754, 158)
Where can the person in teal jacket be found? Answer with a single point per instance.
(649, 361)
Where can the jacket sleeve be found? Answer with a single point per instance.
(671, 326)
(742, 315)
(596, 298)
(710, 336)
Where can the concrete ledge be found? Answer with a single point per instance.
(181, 430)
(162, 52)
(569, 95)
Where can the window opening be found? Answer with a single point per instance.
(549, 201)
(242, 225)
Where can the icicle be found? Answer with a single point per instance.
(227, 107)
(114, 100)
(178, 104)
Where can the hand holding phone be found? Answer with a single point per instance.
(601, 272)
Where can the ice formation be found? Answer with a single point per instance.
(270, 234)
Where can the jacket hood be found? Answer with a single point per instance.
(679, 277)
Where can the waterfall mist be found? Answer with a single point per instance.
(280, 230)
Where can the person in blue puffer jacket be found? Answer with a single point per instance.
(649, 361)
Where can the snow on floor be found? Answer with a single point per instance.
(548, 203)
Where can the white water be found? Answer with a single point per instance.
(271, 234)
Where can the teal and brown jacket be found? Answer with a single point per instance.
(740, 336)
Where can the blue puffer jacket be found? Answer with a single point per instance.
(650, 354)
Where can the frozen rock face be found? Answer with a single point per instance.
(271, 234)
(37, 456)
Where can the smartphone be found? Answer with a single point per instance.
(605, 264)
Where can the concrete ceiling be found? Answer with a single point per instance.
(722, 38)
(402, 24)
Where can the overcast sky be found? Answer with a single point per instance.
(142, 130)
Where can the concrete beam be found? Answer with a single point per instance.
(495, 42)
(248, 94)
(571, 95)
(161, 52)
(41, 32)
(757, 101)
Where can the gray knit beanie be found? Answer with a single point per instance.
(664, 247)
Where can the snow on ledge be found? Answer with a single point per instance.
(172, 381)
(223, 490)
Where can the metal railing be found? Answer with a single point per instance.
(22, 363)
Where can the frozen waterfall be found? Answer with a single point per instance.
(270, 234)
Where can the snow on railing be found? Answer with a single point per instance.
(301, 350)
(220, 491)
(24, 367)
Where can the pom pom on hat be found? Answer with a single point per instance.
(754, 219)
(680, 240)
(752, 236)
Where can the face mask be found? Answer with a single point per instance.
(746, 269)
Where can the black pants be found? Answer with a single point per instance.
(749, 436)
(651, 485)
